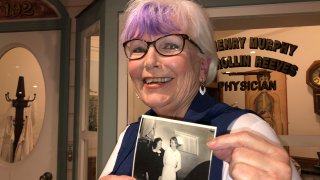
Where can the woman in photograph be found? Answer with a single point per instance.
(171, 57)
(171, 161)
(155, 160)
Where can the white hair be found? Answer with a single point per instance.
(189, 16)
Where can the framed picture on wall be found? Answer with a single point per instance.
(270, 104)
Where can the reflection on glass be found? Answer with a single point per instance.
(93, 112)
(89, 102)
(23, 104)
(94, 83)
(93, 105)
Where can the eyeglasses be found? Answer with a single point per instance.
(168, 45)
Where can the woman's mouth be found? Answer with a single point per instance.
(157, 80)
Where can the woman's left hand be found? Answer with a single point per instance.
(251, 156)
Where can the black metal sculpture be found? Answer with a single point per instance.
(20, 103)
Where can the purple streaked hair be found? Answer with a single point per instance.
(152, 19)
(162, 17)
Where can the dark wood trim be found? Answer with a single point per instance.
(308, 165)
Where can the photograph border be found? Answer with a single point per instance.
(149, 134)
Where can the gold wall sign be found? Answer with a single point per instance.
(26, 9)
(265, 88)
(265, 64)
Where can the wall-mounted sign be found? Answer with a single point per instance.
(26, 9)
(265, 63)
(264, 86)
(258, 84)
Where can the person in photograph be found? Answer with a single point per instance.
(171, 161)
(143, 149)
(155, 159)
(171, 57)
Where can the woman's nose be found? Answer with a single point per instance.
(151, 58)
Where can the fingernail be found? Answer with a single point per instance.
(211, 143)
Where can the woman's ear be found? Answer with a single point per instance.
(204, 68)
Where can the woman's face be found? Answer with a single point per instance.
(173, 143)
(173, 81)
(159, 145)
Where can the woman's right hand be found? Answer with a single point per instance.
(252, 156)
(116, 177)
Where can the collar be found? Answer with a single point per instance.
(205, 110)
(201, 107)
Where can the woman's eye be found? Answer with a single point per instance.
(139, 50)
(170, 46)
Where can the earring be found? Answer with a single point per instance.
(137, 96)
(202, 89)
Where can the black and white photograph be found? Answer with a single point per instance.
(168, 149)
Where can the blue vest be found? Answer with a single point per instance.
(203, 110)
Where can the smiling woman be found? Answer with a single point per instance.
(22, 112)
(171, 56)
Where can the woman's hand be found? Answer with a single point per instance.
(251, 156)
(115, 177)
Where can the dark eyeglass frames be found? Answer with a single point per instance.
(168, 45)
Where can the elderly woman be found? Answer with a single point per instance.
(171, 57)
